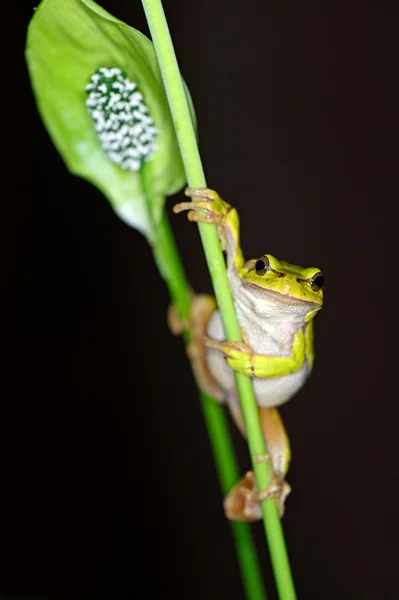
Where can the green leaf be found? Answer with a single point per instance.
(68, 42)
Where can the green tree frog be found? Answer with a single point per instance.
(275, 303)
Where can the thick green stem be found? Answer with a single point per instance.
(170, 266)
(195, 177)
(165, 252)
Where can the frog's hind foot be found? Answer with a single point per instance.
(176, 324)
(202, 308)
(278, 489)
(243, 502)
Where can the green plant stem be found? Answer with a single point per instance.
(228, 474)
(171, 268)
(168, 259)
(214, 256)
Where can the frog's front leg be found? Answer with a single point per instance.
(240, 357)
(208, 207)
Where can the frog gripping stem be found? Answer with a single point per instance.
(208, 207)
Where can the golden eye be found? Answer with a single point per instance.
(317, 282)
(262, 265)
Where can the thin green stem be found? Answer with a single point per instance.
(170, 266)
(215, 418)
(228, 474)
(195, 177)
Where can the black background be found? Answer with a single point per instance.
(109, 487)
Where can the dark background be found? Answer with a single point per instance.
(109, 489)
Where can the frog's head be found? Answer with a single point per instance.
(290, 282)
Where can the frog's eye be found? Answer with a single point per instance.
(317, 282)
(262, 265)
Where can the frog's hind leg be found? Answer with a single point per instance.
(202, 308)
(243, 502)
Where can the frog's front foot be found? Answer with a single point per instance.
(208, 208)
(242, 503)
(239, 355)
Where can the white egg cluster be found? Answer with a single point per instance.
(123, 126)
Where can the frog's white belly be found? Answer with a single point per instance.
(271, 391)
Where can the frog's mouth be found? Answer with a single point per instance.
(278, 297)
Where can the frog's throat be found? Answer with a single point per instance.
(278, 296)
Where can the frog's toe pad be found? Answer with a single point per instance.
(205, 193)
